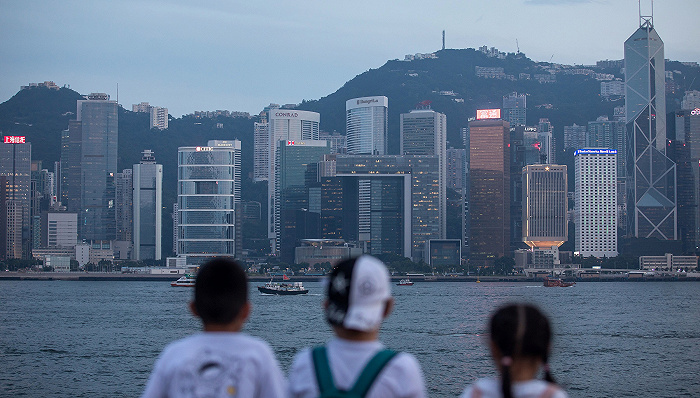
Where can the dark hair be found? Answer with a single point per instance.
(520, 331)
(220, 290)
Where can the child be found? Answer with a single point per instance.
(520, 343)
(358, 299)
(221, 361)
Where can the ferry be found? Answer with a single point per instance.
(283, 289)
(186, 280)
(556, 282)
(405, 282)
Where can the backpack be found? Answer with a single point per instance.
(324, 378)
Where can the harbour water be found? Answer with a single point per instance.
(100, 339)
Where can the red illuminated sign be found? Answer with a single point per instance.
(488, 114)
(290, 143)
(15, 139)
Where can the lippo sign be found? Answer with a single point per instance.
(15, 139)
(488, 114)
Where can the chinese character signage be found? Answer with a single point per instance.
(14, 139)
(488, 114)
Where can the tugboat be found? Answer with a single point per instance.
(556, 282)
(405, 282)
(284, 288)
(186, 280)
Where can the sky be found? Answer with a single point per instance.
(243, 55)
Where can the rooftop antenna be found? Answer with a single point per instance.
(117, 93)
(646, 21)
(443, 39)
(517, 45)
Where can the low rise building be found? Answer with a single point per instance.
(668, 262)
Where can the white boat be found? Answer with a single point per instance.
(186, 280)
(405, 282)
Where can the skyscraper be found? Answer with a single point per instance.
(545, 205)
(489, 170)
(515, 109)
(124, 205)
(604, 133)
(292, 126)
(15, 166)
(686, 154)
(595, 202)
(261, 152)
(209, 188)
(545, 135)
(296, 169)
(89, 165)
(366, 123)
(651, 185)
(424, 132)
(391, 202)
(147, 210)
(574, 136)
(159, 117)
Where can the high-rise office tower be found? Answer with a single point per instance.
(651, 184)
(296, 169)
(424, 132)
(147, 208)
(686, 154)
(59, 229)
(292, 126)
(595, 202)
(604, 133)
(389, 203)
(545, 205)
(209, 188)
(524, 150)
(489, 170)
(15, 166)
(515, 109)
(89, 165)
(366, 122)
(545, 135)
(457, 169)
(574, 136)
(691, 100)
(261, 152)
(124, 205)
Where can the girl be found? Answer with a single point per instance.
(520, 343)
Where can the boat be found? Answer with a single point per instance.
(283, 288)
(405, 282)
(556, 282)
(186, 280)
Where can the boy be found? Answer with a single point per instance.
(357, 301)
(221, 361)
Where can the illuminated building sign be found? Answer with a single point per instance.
(695, 112)
(203, 148)
(595, 152)
(488, 114)
(15, 139)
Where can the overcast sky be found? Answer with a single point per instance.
(242, 55)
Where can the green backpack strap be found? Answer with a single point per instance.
(371, 371)
(324, 377)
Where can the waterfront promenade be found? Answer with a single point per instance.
(110, 276)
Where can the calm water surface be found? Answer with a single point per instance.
(100, 339)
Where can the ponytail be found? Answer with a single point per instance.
(506, 384)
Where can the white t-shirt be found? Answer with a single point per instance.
(491, 388)
(216, 364)
(401, 377)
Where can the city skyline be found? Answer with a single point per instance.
(247, 76)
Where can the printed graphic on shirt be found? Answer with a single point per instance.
(209, 374)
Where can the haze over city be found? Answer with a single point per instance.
(243, 56)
